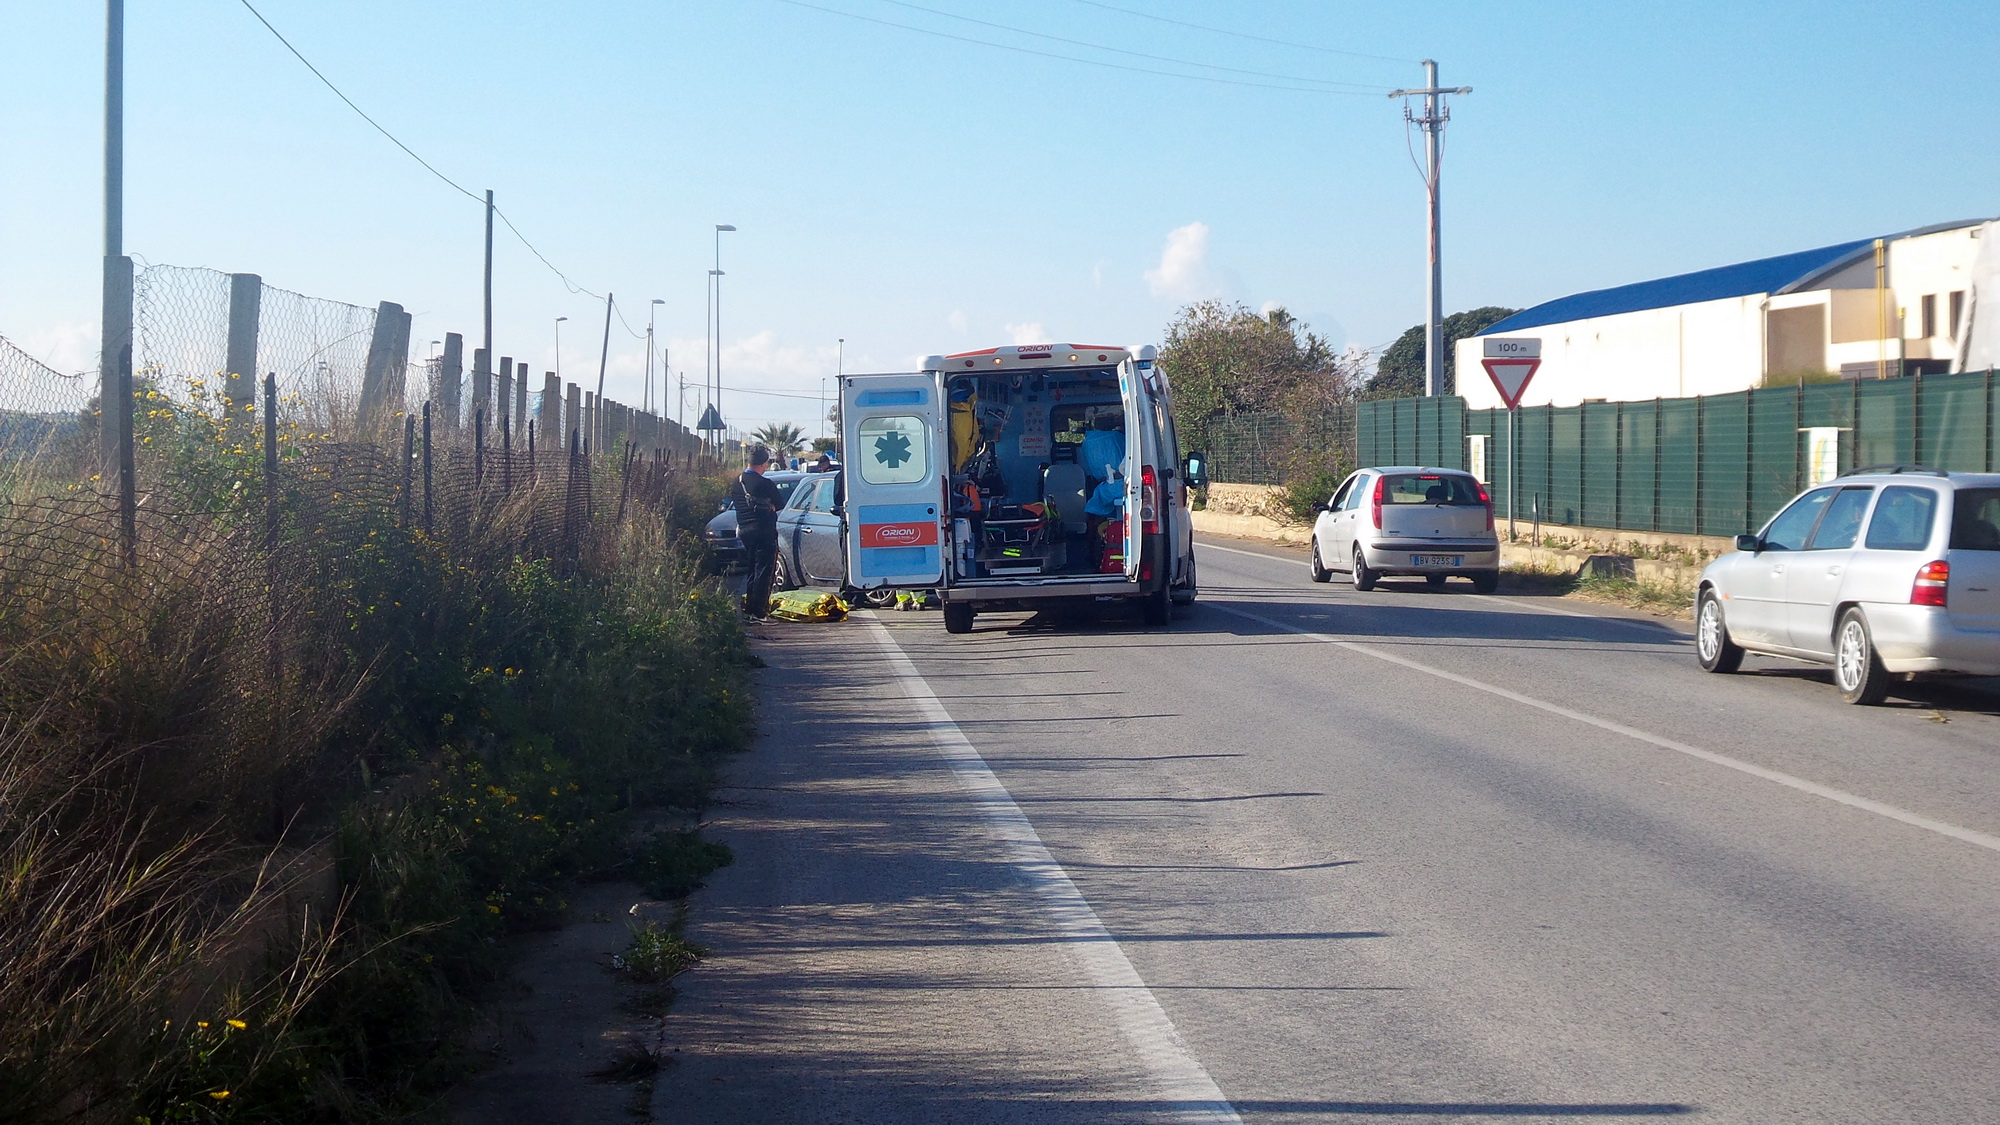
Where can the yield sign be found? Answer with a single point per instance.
(1510, 377)
(1510, 363)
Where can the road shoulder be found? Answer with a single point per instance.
(873, 954)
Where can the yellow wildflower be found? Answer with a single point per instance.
(237, 1024)
(218, 1095)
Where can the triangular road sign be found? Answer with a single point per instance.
(711, 419)
(1510, 377)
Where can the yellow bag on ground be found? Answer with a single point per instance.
(807, 605)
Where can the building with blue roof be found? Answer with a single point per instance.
(1806, 314)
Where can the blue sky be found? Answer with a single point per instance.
(917, 194)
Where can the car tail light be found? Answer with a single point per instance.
(1929, 588)
(1149, 500)
(1375, 502)
(1486, 499)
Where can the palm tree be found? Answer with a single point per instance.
(783, 438)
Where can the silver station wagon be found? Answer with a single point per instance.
(1407, 520)
(1885, 570)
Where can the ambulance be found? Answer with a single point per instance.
(1022, 477)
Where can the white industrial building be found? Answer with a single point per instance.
(1721, 330)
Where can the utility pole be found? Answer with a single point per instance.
(1436, 114)
(114, 397)
(487, 337)
(603, 357)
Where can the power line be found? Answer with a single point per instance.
(412, 153)
(1134, 54)
(1070, 58)
(1243, 34)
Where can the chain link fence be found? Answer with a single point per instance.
(1278, 448)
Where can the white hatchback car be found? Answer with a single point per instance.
(1882, 571)
(1408, 520)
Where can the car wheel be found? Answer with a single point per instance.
(1364, 578)
(1434, 581)
(1857, 670)
(1319, 571)
(1712, 646)
(1486, 581)
(881, 597)
(785, 581)
(958, 617)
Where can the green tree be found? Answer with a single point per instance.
(783, 438)
(1226, 360)
(1401, 372)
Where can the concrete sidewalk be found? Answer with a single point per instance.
(874, 956)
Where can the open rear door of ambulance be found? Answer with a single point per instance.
(1140, 494)
(894, 445)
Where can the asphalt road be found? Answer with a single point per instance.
(1315, 855)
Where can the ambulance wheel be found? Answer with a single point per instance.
(957, 617)
(1157, 608)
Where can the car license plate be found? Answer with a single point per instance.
(1437, 560)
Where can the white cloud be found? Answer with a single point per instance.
(957, 320)
(1269, 307)
(1027, 334)
(1097, 275)
(1183, 273)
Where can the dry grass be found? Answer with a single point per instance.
(231, 775)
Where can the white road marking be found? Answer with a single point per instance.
(1839, 796)
(1190, 1093)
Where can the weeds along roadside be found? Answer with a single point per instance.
(269, 800)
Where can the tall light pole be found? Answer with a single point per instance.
(717, 274)
(647, 396)
(1436, 114)
(559, 322)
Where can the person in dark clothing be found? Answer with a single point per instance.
(757, 501)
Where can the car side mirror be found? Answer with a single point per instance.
(1322, 506)
(1195, 467)
(1749, 543)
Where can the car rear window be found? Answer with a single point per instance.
(1902, 519)
(1429, 488)
(1975, 520)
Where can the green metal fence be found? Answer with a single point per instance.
(1714, 465)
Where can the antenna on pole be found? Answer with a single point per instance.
(1436, 114)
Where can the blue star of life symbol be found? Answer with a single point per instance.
(892, 450)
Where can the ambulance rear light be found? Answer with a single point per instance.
(1149, 496)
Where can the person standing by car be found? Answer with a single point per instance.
(757, 502)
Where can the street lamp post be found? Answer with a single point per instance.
(559, 322)
(647, 396)
(716, 274)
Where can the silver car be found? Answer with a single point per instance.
(1407, 520)
(1882, 571)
